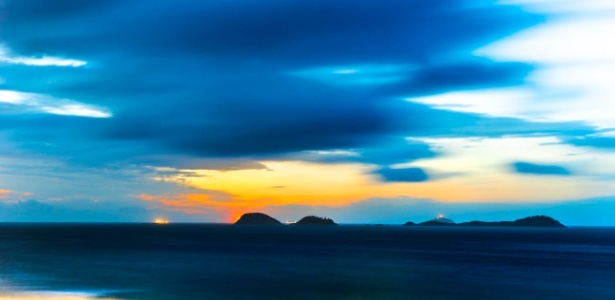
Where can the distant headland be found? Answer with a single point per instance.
(533, 221)
(256, 218)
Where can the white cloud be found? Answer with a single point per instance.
(563, 6)
(574, 80)
(484, 165)
(7, 57)
(511, 102)
(79, 110)
(12, 97)
(569, 40)
(38, 103)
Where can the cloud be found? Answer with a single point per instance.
(37, 103)
(571, 84)
(236, 81)
(469, 74)
(6, 57)
(403, 174)
(4, 193)
(383, 155)
(593, 141)
(537, 169)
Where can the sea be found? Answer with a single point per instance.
(219, 261)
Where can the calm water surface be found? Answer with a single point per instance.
(182, 261)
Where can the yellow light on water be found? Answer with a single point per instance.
(161, 221)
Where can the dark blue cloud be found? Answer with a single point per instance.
(403, 175)
(473, 73)
(191, 81)
(538, 169)
(301, 32)
(592, 141)
(385, 152)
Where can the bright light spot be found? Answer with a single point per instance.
(161, 221)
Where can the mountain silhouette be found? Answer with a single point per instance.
(257, 219)
(314, 220)
(533, 221)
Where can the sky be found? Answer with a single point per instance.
(362, 111)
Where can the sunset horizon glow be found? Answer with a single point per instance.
(140, 111)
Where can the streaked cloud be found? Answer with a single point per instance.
(4, 193)
(359, 76)
(38, 103)
(8, 58)
(539, 169)
(574, 81)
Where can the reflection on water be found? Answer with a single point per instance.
(50, 296)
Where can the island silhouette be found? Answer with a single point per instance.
(533, 221)
(257, 219)
(314, 220)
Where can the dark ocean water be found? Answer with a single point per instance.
(181, 261)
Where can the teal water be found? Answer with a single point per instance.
(205, 261)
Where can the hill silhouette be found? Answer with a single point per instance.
(435, 223)
(538, 221)
(257, 219)
(314, 220)
(533, 221)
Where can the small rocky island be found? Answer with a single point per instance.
(533, 221)
(257, 219)
(314, 220)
